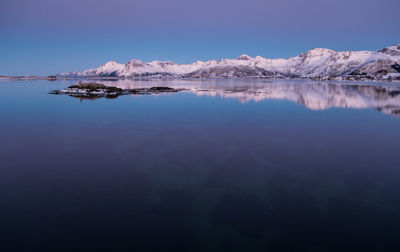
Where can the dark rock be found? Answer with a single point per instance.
(94, 90)
(162, 89)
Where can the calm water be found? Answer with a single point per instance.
(222, 166)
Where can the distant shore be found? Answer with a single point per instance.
(29, 77)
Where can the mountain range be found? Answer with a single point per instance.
(318, 63)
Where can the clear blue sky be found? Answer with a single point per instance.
(50, 36)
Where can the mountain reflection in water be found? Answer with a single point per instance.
(384, 97)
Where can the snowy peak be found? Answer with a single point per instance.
(111, 65)
(391, 50)
(136, 62)
(244, 57)
(318, 52)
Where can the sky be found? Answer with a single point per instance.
(44, 37)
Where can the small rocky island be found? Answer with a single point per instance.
(94, 90)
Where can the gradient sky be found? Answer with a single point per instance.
(44, 37)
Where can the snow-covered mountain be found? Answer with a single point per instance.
(316, 63)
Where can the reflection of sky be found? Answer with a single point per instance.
(179, 172)
(45, 36)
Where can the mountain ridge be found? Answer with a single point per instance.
(318, 63)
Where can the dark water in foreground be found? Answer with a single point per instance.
(223, 166)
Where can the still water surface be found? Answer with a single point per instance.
(221, 166)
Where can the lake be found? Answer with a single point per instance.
(224, 165)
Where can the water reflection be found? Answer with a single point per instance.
(313, 95)
(184, 173)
